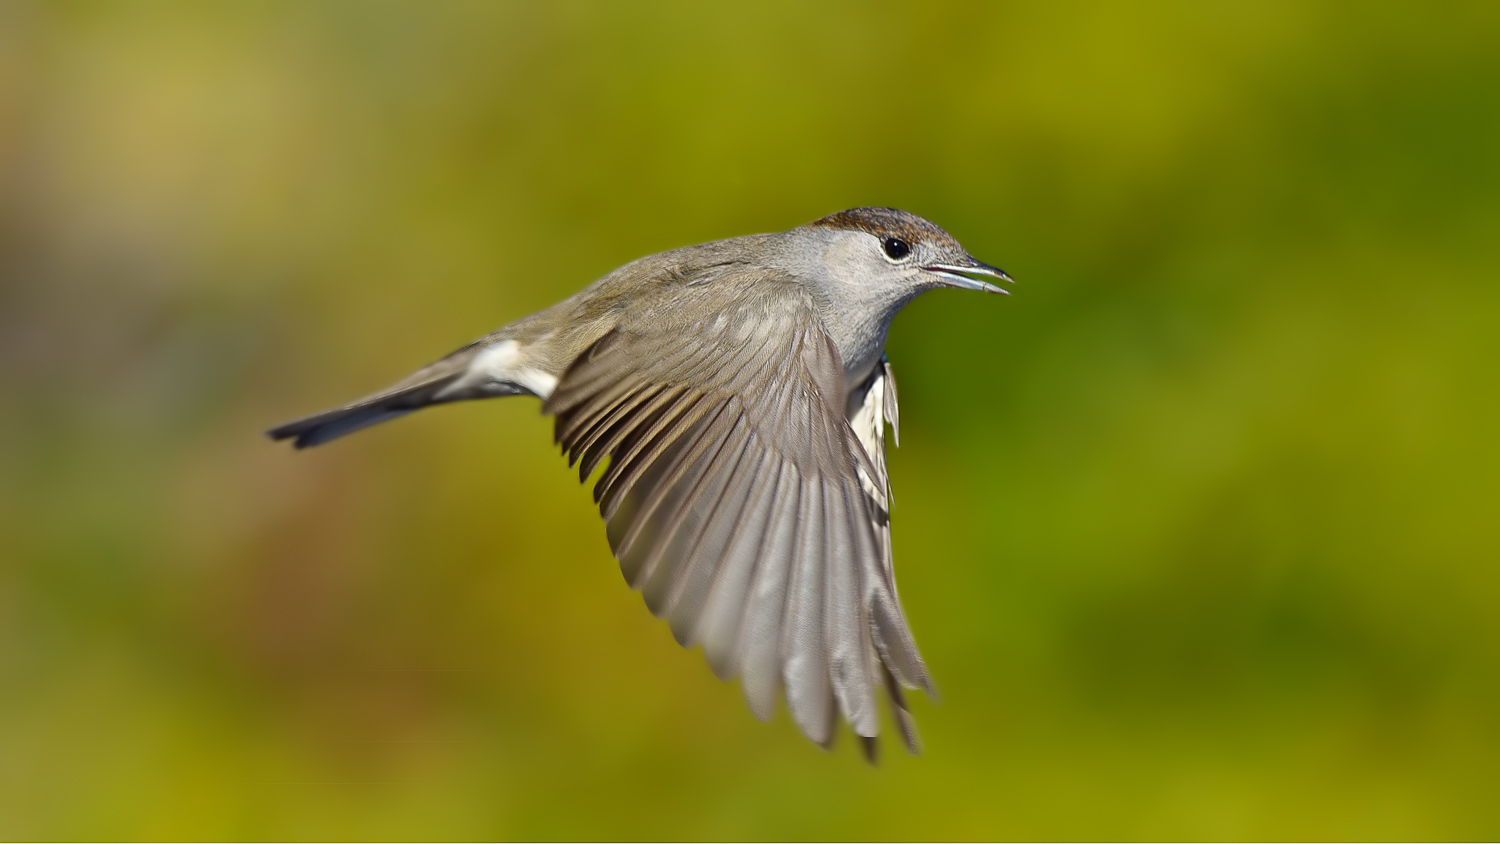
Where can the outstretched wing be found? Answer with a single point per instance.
(739, 499)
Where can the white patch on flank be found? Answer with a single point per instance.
(501, 364)
(536, 381)
(495, 362)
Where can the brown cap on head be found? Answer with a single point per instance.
(887, 222)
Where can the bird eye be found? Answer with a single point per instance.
(896, 248)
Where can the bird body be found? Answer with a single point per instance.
(740, 393)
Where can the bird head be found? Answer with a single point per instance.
(891, 248)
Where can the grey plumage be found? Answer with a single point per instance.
(737, 394)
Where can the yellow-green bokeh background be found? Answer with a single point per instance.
(1197, 530)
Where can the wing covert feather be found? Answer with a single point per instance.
(742, 501)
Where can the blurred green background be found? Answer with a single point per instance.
(1197, 530)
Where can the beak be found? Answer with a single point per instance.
(957, 275)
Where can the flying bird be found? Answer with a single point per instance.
(740, 392)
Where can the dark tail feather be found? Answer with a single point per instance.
(417, 391)
(332, 424)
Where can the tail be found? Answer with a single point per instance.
(446, 380)
(331, 424)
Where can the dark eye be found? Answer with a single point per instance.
(896, 248)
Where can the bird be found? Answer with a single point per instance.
(737, 394)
